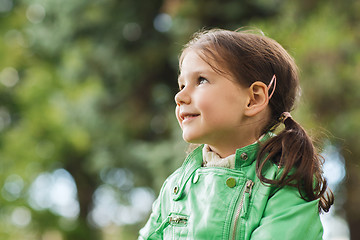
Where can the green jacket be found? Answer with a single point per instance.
(218, 203)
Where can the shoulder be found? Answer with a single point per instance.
(288, 216)
(282, 198)
(170, 180)
(288, 197)
(175, 183)
(285, 214)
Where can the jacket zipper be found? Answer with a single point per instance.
(245, 197)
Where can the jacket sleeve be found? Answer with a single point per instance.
(288, 216)
(149, 230)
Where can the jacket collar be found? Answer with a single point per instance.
(192, 162)
(246, 156)
(243, 157)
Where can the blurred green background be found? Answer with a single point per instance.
(87, 126)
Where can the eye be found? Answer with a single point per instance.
(202, 80)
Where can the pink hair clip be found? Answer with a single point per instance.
(273, 81)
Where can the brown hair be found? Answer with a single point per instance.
(250, 57)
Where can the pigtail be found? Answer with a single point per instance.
(293, 151)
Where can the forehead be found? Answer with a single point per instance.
(195, 61)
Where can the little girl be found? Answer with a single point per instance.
(243, 181)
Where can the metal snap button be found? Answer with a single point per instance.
(244, 156)
(176, 189)
(231, 182)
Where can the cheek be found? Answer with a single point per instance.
(211, 111)
(206, 102)
(220, 109)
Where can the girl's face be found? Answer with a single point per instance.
(210, 106)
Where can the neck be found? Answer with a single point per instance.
(226, 149)
(247, 134)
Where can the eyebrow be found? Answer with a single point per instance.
(198, 73)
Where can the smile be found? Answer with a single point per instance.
(187, 117)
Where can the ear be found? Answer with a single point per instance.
(258, 99)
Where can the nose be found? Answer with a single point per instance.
(182, 97)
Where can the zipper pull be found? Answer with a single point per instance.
(247, 194)
(178, 220)
(173, 220)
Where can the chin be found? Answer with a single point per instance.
(187, 138)
(192, 139)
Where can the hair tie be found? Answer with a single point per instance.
(284, 116)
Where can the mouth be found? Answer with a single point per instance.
(188, 116)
